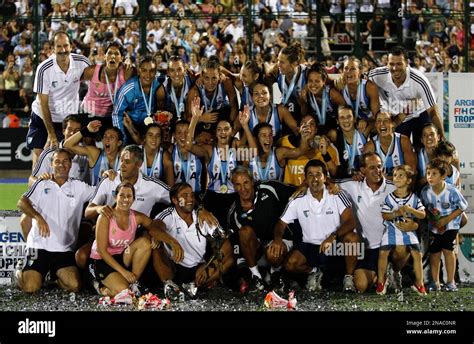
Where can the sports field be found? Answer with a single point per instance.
(10, 193)
(221, 299)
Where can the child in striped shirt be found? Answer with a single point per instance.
(400, 209)
(445, 206)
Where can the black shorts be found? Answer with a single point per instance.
(37, 133)
(415, 127)
(445, 241)
(102, 269)
(314, 258)
(44, 261)
(184, 274)
(370, 261)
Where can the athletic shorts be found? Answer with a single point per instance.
(37, 133)
(102, 269)
(44, 261)
(445, 241)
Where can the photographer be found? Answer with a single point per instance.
(11, 76)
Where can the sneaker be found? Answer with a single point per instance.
(96, 286)
(433, 286)
(382, 287)
(451, 287)
(256, 285)
(190, 289)
(314, 281)
(16, 273)
(419, 289)
(243, 286)
(135, 289)
(397, 281)
(348, 284)
(276, 281)
(172, 291)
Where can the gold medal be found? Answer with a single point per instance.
(148, 120)
(224, 188)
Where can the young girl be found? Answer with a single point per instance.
(400, 209)
(445, 206)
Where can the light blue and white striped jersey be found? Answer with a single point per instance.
(392, 158)
(273, 118)
(272, 170)
(219, 171)
(444, 204)
(188, 171)
(156, 170)
(392, 234)
(363, 111)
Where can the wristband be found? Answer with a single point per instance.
(86, 133)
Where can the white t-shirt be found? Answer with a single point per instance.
(62, 89)
(148, 191)
(415, 93)
(61, 208)
(192, 241)
(367, 207)
(318, 219)
(128, 5)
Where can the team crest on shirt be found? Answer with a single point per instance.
(445, 205)
(359, 198)
(306, 213)
(113, 193)
(54, 84)
(47, 190)
(177, 230)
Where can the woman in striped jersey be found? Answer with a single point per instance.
(221, 158)
(100, 160)
(270, 161)
(187, 167)
(393, 148)
(319, 99)
(349, 142)
(361, 95)
(156, 160)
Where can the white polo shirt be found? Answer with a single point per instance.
(318, 219)
(367, 207)
(62, 89)
(415, 93)
(61, 208)
(148, 191)
(192, 241)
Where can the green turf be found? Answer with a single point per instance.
(10, 193)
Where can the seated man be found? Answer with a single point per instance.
(325, 220)
(56, 208)
(181, 223)
(253, 216)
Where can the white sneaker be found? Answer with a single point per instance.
(16, 273)
(314, 281)
(349, 283)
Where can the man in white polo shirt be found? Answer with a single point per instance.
(368, 197)
(324, 219)
(56, 86)
(407, 94)
(56, 208)
(182, 224)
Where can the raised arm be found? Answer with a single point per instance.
(73, 143)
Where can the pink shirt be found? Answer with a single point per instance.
(119, 239)
(97, 100)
